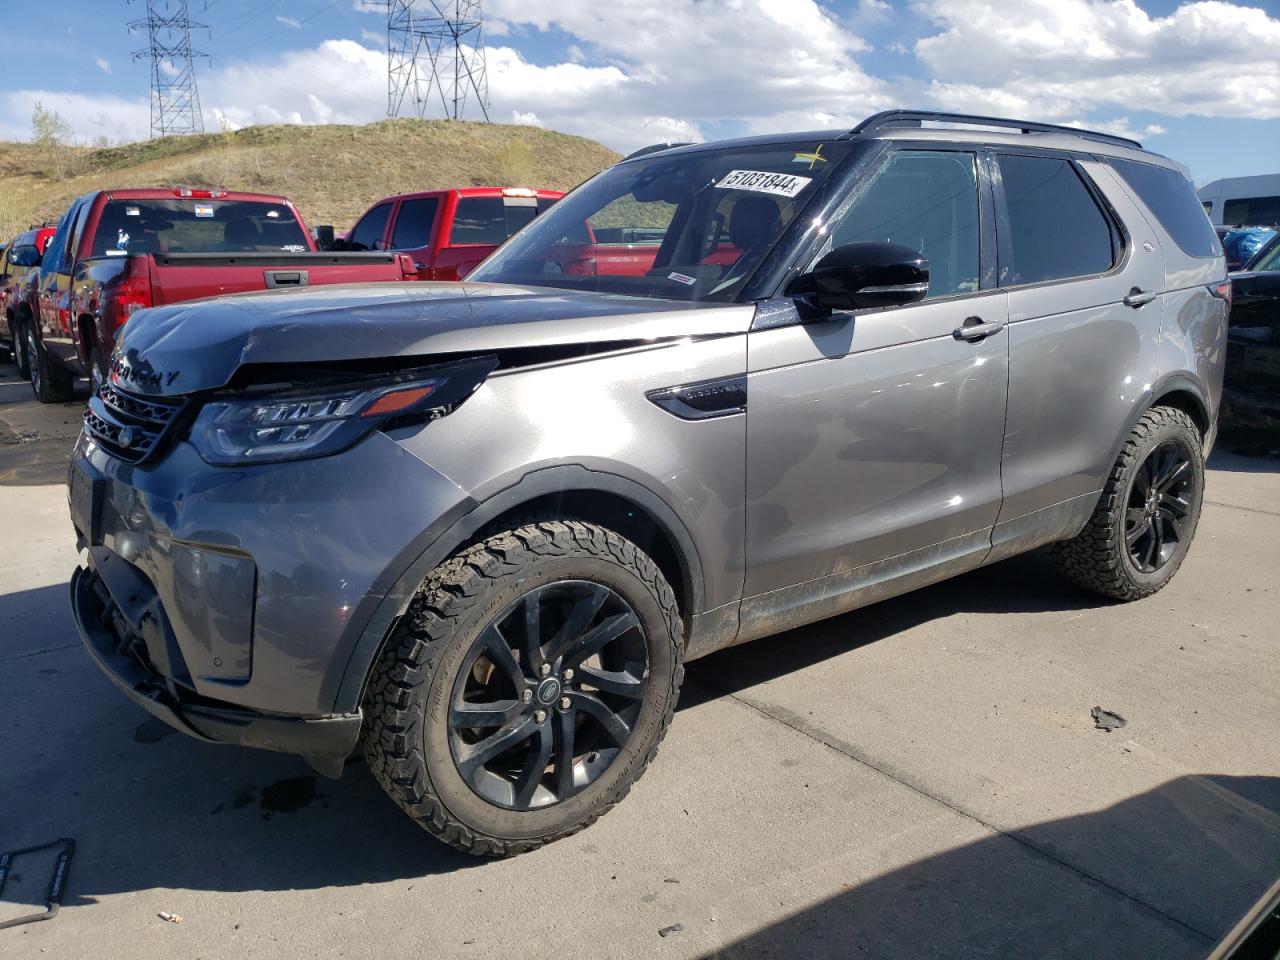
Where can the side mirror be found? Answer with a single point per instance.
(864, 275)
(324, 237)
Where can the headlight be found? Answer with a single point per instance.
(259, 427)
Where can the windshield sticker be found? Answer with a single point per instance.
(273, 214)
(132, 212)
(763, 181)
(687, 280)
(204, 210)
(294, 248)
(122, 240)
(812, 159)
(117, 253)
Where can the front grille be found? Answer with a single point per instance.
(128, 426)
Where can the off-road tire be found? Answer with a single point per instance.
(50, 381)
(1097, 558)
(407, 696)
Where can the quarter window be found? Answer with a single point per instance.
(1172, 198)
(1056, 228)
(1252, 211)
(927, 201)
(367, 234)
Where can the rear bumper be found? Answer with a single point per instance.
(325, 741)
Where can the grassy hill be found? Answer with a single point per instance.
(333, 173)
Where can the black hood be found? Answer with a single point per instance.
(200, 345)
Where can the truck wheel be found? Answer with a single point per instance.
(50, 382)
(1142, 528)
(526, 688)
(19, 329)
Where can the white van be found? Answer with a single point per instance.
(1243, 201)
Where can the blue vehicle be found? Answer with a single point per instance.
(1241, 244)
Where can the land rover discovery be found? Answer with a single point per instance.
(716, 392)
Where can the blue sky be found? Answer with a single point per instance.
(1198, 81)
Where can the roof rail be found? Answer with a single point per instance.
(916, 118)
(652, 148)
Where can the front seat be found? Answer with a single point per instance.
(753, 221)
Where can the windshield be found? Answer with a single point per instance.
(1268, 258)
(685, 226)
(197, 226)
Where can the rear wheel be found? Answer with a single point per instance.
(50, 382)
(1142, 528)
(527, 687)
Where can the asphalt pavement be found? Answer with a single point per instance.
(922, 778)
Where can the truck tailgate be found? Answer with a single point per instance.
(177, 277)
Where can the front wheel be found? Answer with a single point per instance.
(527, 687)
(1142, 528)
(20, 349)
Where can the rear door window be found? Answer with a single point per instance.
(1171, 197)
(489, 220)
(196, 226)
(368, 233)
(1057, 230)
(414, 223)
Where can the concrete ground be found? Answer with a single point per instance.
(919, 779)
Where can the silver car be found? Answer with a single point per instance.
(716, 392)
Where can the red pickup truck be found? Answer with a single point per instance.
(446, 232)
(117, 251)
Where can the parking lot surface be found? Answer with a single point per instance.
(918, 779)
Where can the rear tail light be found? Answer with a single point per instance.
(130, 295)
(1222, 291)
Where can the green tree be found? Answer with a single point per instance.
(52, 132)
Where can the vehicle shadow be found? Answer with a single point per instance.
(1251, 454)
(1163, 874)
(1030, 583)
(35, 439)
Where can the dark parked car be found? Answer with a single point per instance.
(1241, 244)
(480, 527)
(21, 256)
(1251, 397)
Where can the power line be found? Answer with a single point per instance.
(435, 45)
(175, 99)
(279, 33)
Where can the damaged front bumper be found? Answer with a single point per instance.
(122, 654)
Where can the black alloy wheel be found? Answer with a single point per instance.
(548, 695)
(1159, 504)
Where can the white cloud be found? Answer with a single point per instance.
(103, 64)
(377, 39)
(525, 119)
(91, 115)
(1059, 58)
(292, 22)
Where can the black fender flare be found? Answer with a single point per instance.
(432, 549)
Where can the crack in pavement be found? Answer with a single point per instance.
(36, 653)
(1236, 506)
(801, 726)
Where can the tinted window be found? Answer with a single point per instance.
(1252, 211)
(1056, 228)
(368, 233)
(1170, 196)
(413, 224)
(196, 226)
(53, 252)
(489, 220)
(929, 202)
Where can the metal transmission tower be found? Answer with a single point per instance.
(175, 101)
(435, 44)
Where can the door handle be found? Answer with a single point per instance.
(1138, 298)
(975, 328)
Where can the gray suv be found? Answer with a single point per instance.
(717, 392)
